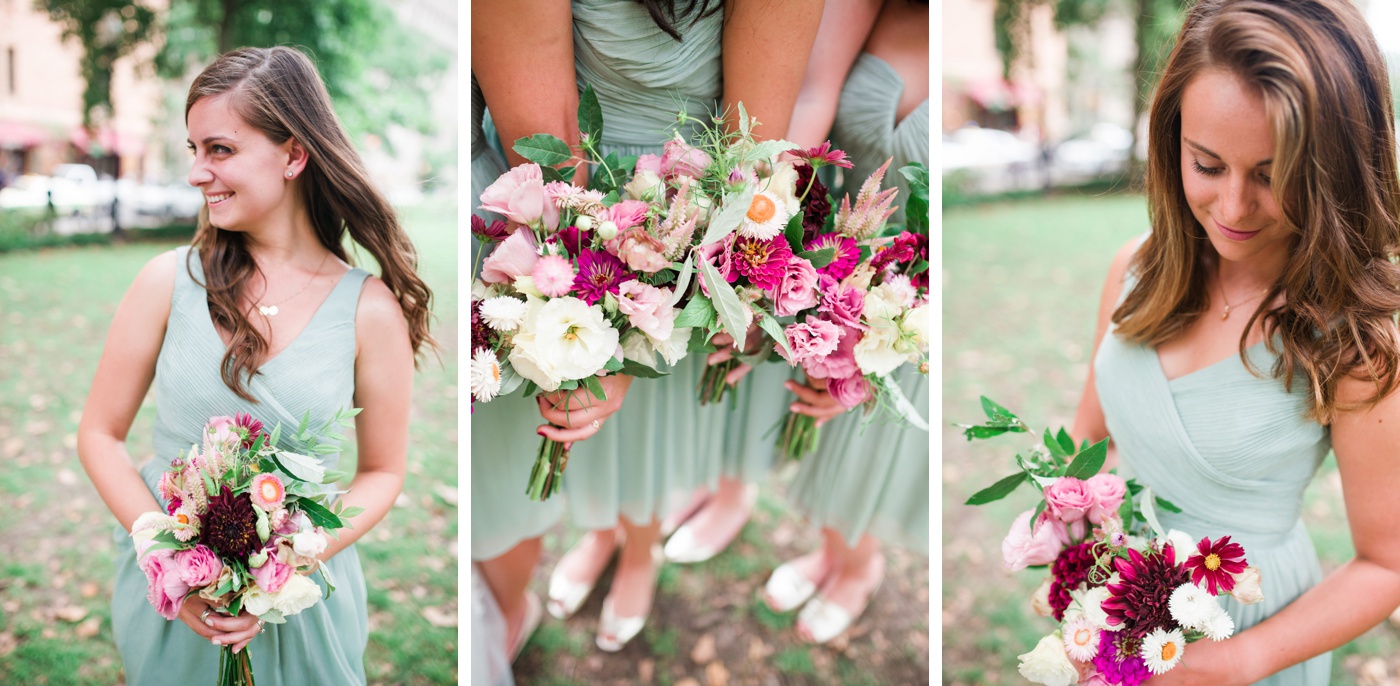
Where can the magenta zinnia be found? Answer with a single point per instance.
(1118, 660)
(599, 273)
(1139, 601)
(1216, 564)
(847, 254)
(763, 261)
(230, 525)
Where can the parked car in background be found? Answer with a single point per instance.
(1100, 152)
(982, 161)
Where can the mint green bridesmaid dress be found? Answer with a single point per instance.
(324, 644)
(1234, 472)
(873, 476)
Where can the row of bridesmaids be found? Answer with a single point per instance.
(854, 72)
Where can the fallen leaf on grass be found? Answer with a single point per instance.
(89, 628)
(758, 650)
(7, 643)
(1374, 671)
(646, 670)
(704, 650)
(688, 681)
(440, 617)
(72, 613)
(716, 674)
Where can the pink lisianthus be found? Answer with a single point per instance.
(850, 391)
(1069, 499)
(267, 492)
(640, 250)
(553, 275)
(841, 362)
(514, 257)
(797, 290)
(719, 255)
(164, 588)
(272, 574)
(1108, 491)
(811, 340)
(518, 195)
(680, 159)
(648, 308)
(1023, 548)
(199, 566)
(648, 162)
(841, 304)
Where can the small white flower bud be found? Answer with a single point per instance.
(584, 223)
(607, 230)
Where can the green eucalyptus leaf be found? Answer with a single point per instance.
(1089, 462)
(726, 302)
(730, 216)
(595, 387)
(641, 371)
(543, 149)
(698, 312)
(998, 490)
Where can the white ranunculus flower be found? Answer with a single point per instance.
(309, 543)
(256, 602)
(530, 362)
(573, 337)
(636, 346)
(503, 313)
(1040, 600)
(1248, 586)
(1048, 664)
(1182, 543)
(296, 595)
(877, 352)
(673, 349)
(646, 186)
(1092, 603)
(882, 303)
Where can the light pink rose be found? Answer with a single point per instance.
(841, 304)
(648, 162)
(797, 291)
(272, 574)
(515, 256)
(648, 308)
(1069, 499)
(680, 159)
(810, 340)
(164, 588)
(841, 362)
(626, 214)
(640, 250)
(198, 566)
(1108, 491)
(1067, 533)
(518, 195)
(850, 391)
(1023, 548)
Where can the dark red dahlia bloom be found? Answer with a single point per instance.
(572, 239)
(816, 206)
(1139, 601)
(599, 273)
(823, 155)
(764, 262)
(251, 428)
(1216, 564)
(230, 525)
(482, 335)
(495, 231)
(1118, 660)
(1070, 570)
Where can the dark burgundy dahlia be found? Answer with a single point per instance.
(1139, 601)
(1070, 570)
(816, 206)
(230, 526)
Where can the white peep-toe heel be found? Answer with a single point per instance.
(787, 588)
(615, 632)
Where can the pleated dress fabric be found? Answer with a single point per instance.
(324, 644)
(1235, 452)
(871, 475)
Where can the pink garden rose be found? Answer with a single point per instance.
(841, 362)
(272, 574)
(648, 308)
(1108, 491)
(1069, 499)
(1023, 548)
(626, 214)
(811, 340)
(648, 162)
(680, 159)
(515, 256)
(850, 391)
(198, 567)
(841, 304)
(640, 250)
(518, 195)
(797, 291)
(164, 587)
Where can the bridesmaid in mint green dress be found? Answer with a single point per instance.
(648, 459)
(866, 485)
(262, 315)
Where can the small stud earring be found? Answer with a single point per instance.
(289, 173)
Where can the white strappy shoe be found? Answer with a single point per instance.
(825, 620)
(684, 546)
(566, 596)
(787, 588)
(615, 632)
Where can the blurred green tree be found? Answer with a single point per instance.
(107, 30)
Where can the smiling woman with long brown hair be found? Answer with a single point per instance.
(1254, 329)
(264, 314)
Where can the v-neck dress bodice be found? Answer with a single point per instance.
(1235, 452)
(315, 373)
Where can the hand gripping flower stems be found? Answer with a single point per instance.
(1127, 594)
(244, 524)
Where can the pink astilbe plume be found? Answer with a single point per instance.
(676, 230)
(871, 210)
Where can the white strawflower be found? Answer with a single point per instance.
(485, 375)
(1219, 626)
(1192, 606)
(1048, 664)
(1081, 639)
(186, 523)
(903, 289)
(767, 216)
(503, 313)
(1161, 649)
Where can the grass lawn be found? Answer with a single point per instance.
(1021, 284)
(56, 547)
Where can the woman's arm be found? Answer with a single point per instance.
(766, 45)
(523, 59)
(845, 24)
(1089, 423)
(124, 374)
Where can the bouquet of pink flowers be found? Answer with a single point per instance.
(243, 526)
(1128, 595)
(579, 285)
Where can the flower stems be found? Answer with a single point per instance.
(548, 470)
(801, 436)
(235, 669)
(712, 382)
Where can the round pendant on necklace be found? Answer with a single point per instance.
(1225, 316)
(268, 310)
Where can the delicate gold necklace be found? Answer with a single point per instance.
(270, 311)
(1226, 314)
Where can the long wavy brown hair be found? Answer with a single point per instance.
(279, 93)
(1324, 85)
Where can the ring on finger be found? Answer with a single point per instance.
(204, 617)
(261, 626)
(596, 424)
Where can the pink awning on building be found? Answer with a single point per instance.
(19, 135)
(110, 141)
